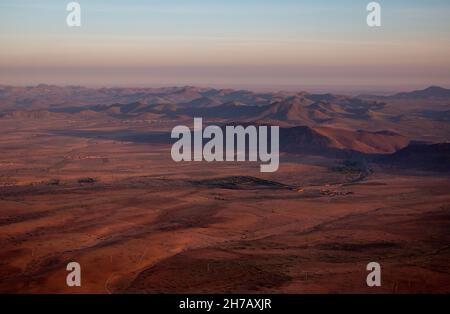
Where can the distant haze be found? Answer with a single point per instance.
(249, 43)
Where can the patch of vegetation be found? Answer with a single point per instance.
(86, 180)
(354, 166)
(54, 182)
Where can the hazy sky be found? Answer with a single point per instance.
(229, 42)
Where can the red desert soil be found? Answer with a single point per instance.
(138, 222)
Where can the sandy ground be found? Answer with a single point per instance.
(150, 225)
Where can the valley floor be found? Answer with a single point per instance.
(139, 223)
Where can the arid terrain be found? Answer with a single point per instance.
(86, 175)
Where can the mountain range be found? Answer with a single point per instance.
(325, 124)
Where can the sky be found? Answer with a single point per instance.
(229, 43)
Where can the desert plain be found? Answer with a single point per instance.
(101, 189)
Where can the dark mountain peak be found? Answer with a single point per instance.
(423, 148)
(435, 89)
(432, 157)
(432, 91)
